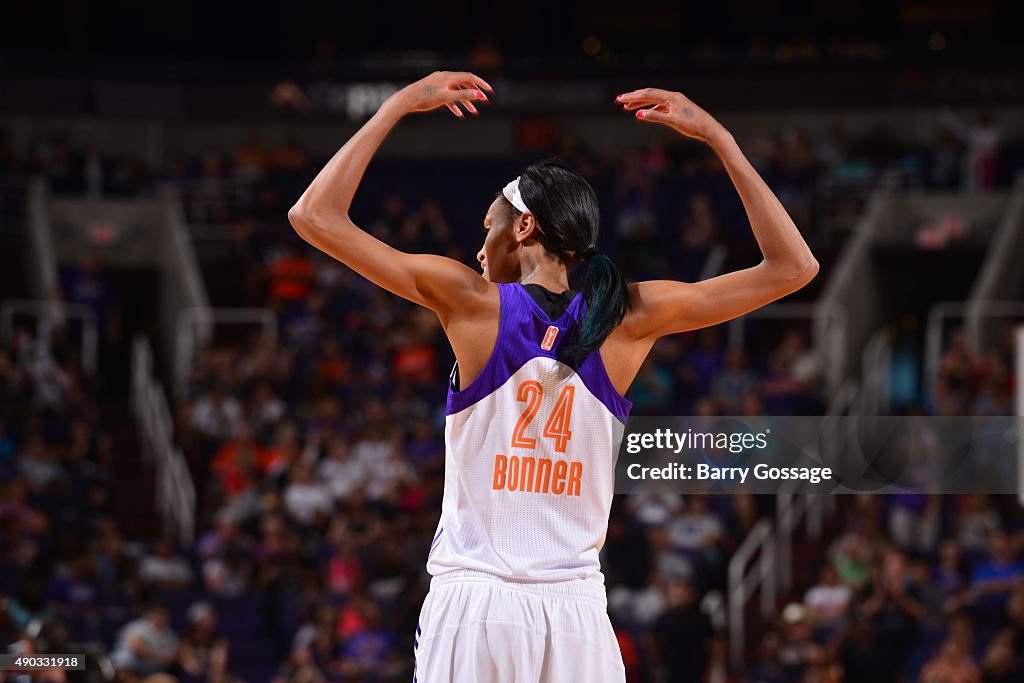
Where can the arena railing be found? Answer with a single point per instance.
(40, 242)
(876, 372)
(1019, 353)
(195, 326)
(751, 569)
(50, 315)
(999, 277)
(792, 508)
(772, 543)
(175, 489)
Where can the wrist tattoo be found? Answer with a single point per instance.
(688, 112)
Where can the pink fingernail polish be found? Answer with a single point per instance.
(619, 98)
(641, 114)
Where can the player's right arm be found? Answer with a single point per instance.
(321, 215)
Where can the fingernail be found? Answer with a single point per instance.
(619, 98)
(641, 114)
(480, 95)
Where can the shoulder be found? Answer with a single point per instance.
(478, 297)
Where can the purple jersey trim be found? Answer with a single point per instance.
(521, 330)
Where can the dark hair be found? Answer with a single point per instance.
(569, 223)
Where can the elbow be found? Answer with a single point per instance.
(300, 219)
(308, 222)
(809, 270)
(796, 275)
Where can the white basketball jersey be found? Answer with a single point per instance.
(530, 454)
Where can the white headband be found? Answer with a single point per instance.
(511, 192)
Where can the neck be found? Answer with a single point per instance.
(544, 270)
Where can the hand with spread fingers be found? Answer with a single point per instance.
(673, 109)
(444, 89)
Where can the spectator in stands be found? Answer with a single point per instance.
(636, 221)
(331, 371)
(995, 395)
(305, 499)
(733, 382)
(765, 666)
(827, 603)
(697, 533)
(265, 409)
(996, 576)
(953, 664)
(389, 219)
(892, 603)
(423, 447)
(415, 358)
(702, 363)
(28, 604)
(976, 523)
(39, 467)
(959, 372)
(49, 385)
(948, 577)
(291, 276)
(162, 569)
(866, 656)
(652, 388)
(203, 654)
(216, 415)
(87, 285)
(797, 651)
(75, 593)
(682, 622)
(852, 554)
(251, 160)
(371, 649)
(1003, 661)
(791, 385)
(387, 476)
(425, 230)
(238, 460)
(913, 520)
(147, 645)
(982, 140)
(339, 472)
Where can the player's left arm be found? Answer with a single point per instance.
(662, 307)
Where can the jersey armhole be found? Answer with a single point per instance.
(491, 359)
(622, 404)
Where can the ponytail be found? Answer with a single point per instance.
(569, 222)
(607, 297)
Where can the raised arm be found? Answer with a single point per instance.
(321, 216)
(661, 307)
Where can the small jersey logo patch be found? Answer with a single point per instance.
(549, 338)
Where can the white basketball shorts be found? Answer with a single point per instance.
(477, 628)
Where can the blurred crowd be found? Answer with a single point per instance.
(971, 382)
(912, 588)
(318, 454)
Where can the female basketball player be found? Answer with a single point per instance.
(535, 408)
